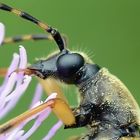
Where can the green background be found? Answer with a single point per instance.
(107, 30)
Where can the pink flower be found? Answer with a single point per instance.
(12, 89)
(1, 32)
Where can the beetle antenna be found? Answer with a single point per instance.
(34, 37)
(55, 34)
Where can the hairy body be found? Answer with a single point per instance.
(107, 108)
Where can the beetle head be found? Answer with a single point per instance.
(64, 66)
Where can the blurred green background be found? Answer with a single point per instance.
(107, 30)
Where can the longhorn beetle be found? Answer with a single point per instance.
(106, 108)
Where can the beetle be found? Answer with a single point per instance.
(107, 108)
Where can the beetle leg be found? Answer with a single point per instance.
(74, 138)
(59, 107)
(82, 115)
(3, 72)
(129, 138)
(62, 109)
(19, 119)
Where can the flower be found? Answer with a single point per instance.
(20, 82)
(1, 33)
(12, 89)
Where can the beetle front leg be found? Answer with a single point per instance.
(83, 115)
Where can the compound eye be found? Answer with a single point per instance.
(69, 64)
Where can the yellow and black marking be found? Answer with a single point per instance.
(3, 72)
(23, 15)
(55, 34)
(22, 117)
(6, 128)
(34, 37)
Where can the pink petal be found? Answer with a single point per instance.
(2, 33)
(37, 95)
(53, 130)
(23, 57)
